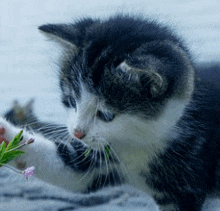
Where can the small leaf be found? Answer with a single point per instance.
(86, 153)
(15, 141)
(107, 151)
(18, 136)
(7, 157)
(2, 149)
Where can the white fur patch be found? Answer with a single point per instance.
(82, 119)
(124, 67)
(48, 165)
(135, 141)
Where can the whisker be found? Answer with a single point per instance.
(99, 154)
(91, 166)
(114, 155)
(80, 156)
(106, 162)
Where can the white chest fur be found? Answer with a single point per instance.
(137, 141)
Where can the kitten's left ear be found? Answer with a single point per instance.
(70, 36)
(149, 78)
(64, 34)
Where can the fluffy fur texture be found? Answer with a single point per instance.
(132, 86)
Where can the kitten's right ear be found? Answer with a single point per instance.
(63, 34)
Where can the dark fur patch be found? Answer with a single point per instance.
(186, 171)
(105, 180)
(141, 43)
(74, 156)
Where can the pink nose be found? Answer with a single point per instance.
(78, 134)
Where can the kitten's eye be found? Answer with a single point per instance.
(105, 116)
(69, 102)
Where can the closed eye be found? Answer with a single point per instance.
(69, 102)
(105, 116)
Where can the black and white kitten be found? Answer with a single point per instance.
(143, 117)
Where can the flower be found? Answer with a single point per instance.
(29, 171)
(30, 141)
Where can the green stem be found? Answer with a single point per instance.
(18, 147)
(12, 168)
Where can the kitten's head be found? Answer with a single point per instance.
(124, 77)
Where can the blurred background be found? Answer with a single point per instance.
(29, 67)
(29, 63)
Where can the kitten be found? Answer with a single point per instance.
(143, 117)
